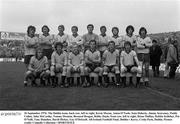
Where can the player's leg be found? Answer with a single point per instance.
(166, 71)
(105, 75)
(44, 76)
(154, 70)
(28, 76)
(138, 72)
(68, 73)
(26, 62)
(117, 74)
(85, 76)
(64, 72)
(99, 70)
(123, 76)
(52, 76)
(157, 71)
(146, 63)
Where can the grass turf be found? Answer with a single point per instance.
(13, 95)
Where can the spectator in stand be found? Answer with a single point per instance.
(166, 71)
(172, 59)
(155, 55)
(176, 45)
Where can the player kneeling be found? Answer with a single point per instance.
(93, 62)
(38, 68)
(58, 65)
(111, 62)
(75, 64)
(130, 64)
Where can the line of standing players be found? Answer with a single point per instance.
(46, 57)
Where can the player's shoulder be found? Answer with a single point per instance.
(85, 35)
(123, 52)
(64, 53)
(116, 50)
(54, 52)
(65, 35)
(148, 38)
(97, 51)
(41, 35)
(45, 58)
(33, 58)
(133, 52)
(87, 51)
(81, 53)
(106, 51)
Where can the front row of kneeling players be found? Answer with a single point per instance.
(68, 63)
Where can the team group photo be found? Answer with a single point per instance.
(108, 62)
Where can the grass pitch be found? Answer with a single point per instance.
(14, 96)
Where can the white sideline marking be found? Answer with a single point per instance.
(163, 94)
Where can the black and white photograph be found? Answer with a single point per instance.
(87, 55)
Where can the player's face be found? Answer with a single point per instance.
(111, 46)
(39, 53)
(143, 33)
(45, 30)
(92, 45)
(90, 29)
(75, 50)
(130, 31)
(153, 43)
(59, 48)
(74, 30)
(60, 29)
(103, 30)
(115, 32)
(31, 31)
(127, 47)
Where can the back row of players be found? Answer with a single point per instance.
(47, 55)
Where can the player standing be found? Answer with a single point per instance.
(30, 45)
(61, 36)
(143, 44)
(103, 40)
(46, 42)
(90, 36)
(129, 36)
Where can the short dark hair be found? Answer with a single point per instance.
(92, 41)
(127, 43)
(45, 26)
(115, 28)
(90, 25)
(102, 27)
(141, 29)
(154, 41)
(129, 27)
(58, 44)
(62, 26)
(111, 42)
(74, 27)
(30, 27)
